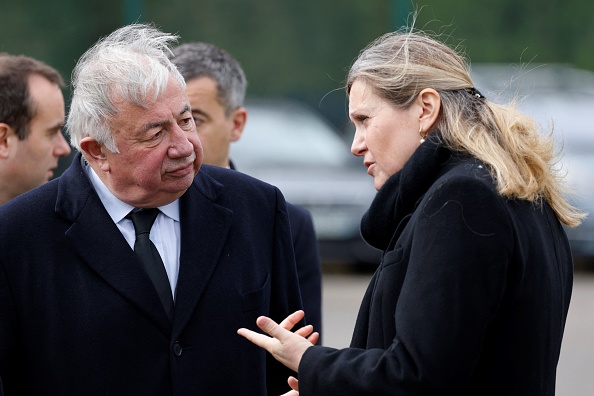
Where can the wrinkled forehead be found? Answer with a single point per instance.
(160, 107)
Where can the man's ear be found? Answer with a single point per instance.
(239, 118)
(94, 153)
(6, 132)
(430, 103)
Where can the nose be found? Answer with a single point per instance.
(358, 147)
(181, 145)
(61, 146)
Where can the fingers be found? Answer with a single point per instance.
(286, 347)
(293, 383)
(314, 338)
(305, 331)
(271, 328)
(291, 320)
(259, 339)
(279, 331)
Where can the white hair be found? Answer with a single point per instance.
(130, 64)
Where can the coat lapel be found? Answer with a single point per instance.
(101, 245)
(204, 228)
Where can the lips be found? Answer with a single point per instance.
(369, 166)
(50, 172)
(183, 170)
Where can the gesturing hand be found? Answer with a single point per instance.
(286, 347)
(294, 384)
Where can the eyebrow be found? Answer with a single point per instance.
(57, 127)
(157, 124)
(186, 108)
(152, 125)
(356, 113)
(200, 112)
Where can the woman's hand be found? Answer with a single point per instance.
(285, 346)
(294, 384)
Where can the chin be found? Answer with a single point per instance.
(179, 187)
(378, 184)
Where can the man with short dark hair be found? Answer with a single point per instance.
(216, 87)
(31, 122)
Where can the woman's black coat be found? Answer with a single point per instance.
(471, 295)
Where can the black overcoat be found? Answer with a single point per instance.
(78, 316)
(471, 295)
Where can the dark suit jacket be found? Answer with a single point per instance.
(78, 316)
(471, 296)
(307, 259)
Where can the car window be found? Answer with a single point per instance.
(285, 133)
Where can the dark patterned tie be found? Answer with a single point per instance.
(149, 256)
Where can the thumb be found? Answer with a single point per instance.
(270, 327)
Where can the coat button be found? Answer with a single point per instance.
(177, 349)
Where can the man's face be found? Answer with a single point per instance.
(159, 150)
(36, 157)
(215, 129)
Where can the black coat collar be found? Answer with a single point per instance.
(399, 196)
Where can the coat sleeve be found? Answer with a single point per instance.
(285, 295)
(458, 254)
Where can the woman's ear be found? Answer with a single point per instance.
(430, 103)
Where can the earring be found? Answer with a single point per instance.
(422, 134)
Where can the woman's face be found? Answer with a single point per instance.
(385, 136)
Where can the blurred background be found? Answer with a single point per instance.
(299, 51)
(296, 54)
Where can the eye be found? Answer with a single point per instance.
(359, 118)
(198, 121)
(54, 131)
(186, 122)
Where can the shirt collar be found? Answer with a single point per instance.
(118, 209)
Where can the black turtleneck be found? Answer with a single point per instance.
(399, 196)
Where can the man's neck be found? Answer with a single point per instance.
(5, 192)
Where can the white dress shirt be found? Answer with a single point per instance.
(165, 232)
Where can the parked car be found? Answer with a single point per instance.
(290, 145)
(561, 98)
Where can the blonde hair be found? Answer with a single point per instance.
(521, 160)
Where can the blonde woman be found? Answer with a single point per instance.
(474, 285)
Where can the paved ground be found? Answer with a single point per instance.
(575, 377)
